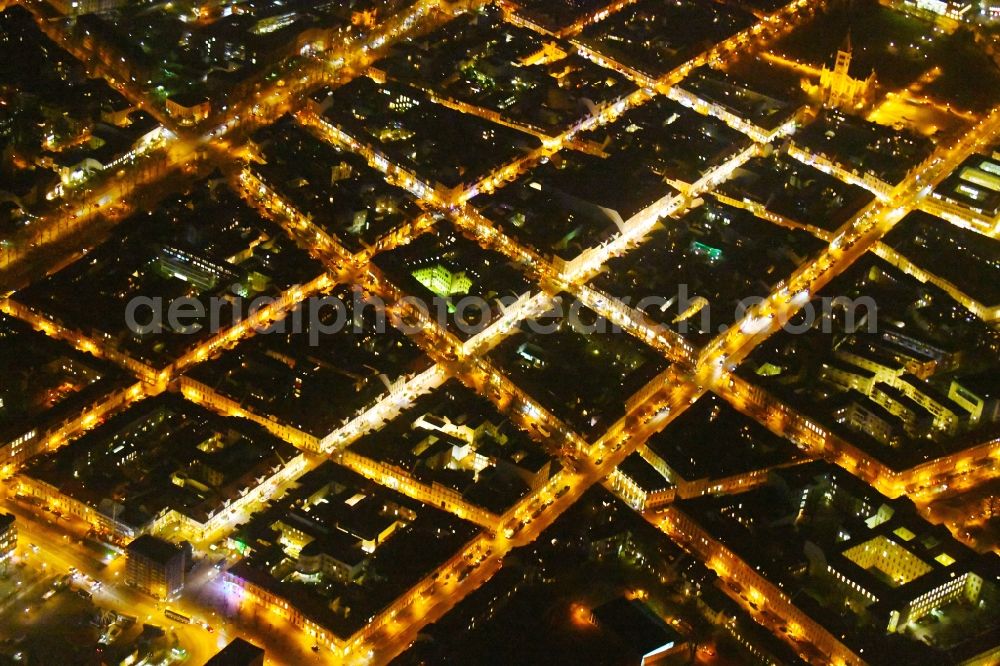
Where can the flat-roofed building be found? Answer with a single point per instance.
(8, 539)
(639, 484)
(155, 566)
(979, 395)
(638, 627)
(238, 653)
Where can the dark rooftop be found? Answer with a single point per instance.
(642, 473)
(637, 625)
(238, 653)
(154, 548)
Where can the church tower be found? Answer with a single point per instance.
(843, 64)
(840, 83)
(838, 89)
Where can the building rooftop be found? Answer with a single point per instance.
(154, 548)
(163, 454)
(238, 653)
(637, 626)
(985, 385)
(975, 184)
(883, 547)
(690, 445)
(457, 439)
(340, 548)
(642, 474)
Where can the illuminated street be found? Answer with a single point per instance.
(470, 332)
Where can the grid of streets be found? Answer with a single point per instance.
(392, 156)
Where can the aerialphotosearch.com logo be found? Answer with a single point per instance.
(364, 313)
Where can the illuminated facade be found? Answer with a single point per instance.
(838, 89)
(979, 399)
(362, 555)
(899, 576)
(872, 419)
(442, 281)
(947, 13)
(640, 484)
(77, 7)
(188, 109)
(199, 271)
(220, 472)
(888, 566)
(155, 566)
(8, 539)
